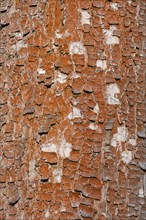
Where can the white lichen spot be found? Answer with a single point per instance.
(76, 48)
(101, 64)
(85, 17)
(141, 193)
(62, 208)
(57, 175)
(137, 13)
(103, 214)
(111, 94)
(18, 45)
(22, 215)
(32, 171)
(114, 6)
(61, 78)
(126, 156)
(50, 147)
(41, 71)
(76, 113)
(18, 35)
(92, 126)
(59, 35)
(47, 214)
(76, 76)
(129, 2)
(120, 136)
(96, 109)
(132, 142)
(110, 39)
(62, 148)
(65, 149)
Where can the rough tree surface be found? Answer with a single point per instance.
(73, 119)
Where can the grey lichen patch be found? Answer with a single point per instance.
(109, 37)
(112, 90)
(61, 147)
(57, 175)
(41, 71)
(101, 64)
(76, 113)
(76, 48)
(61, 77)
(32, 170)
(120, 136)
(126, 156)
(114, 6)
(85, 17)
